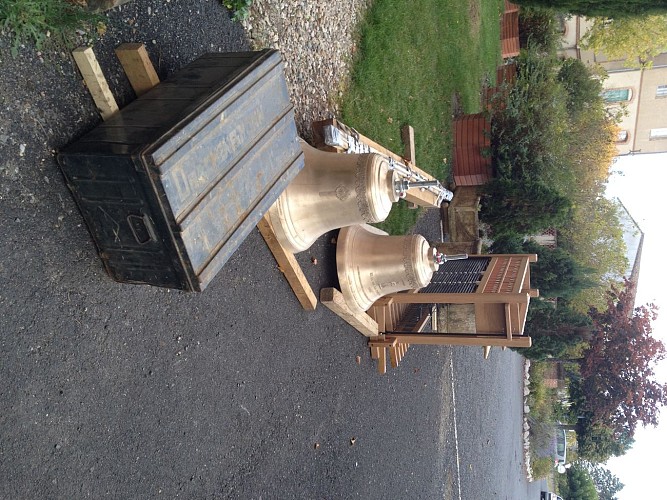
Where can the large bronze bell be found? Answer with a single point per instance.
(372, 264)
(333, 190)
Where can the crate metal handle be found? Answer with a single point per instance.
(142, 228)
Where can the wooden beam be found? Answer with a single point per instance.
(508, 321)
(95, 81)
(459, 298)
(461, 339)
(408, 138)
(334, 300)
(393, 356)
(520, 282)
(487, 273)
(382, 361)
(289, 266)
(137, 66)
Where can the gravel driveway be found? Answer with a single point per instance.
(127, 391)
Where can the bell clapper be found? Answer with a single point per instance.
(441, 258)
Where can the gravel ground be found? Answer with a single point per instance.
(318, 42)
(127, 391)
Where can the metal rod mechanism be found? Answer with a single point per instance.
(335, 137)
(441, 258)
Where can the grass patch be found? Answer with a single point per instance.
(39, 21)
(414, 57)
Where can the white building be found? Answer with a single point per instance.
(642, 92)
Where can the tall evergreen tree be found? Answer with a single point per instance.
(601, 8)
(579, 485)
(606, 483)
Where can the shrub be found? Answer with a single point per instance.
(583, 87)
(240, 8)
(528, 127)
(540, 27)
(41, 20)
(525, 206)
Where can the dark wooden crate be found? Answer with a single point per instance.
(172, 184)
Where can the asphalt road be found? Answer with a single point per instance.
(127, 391)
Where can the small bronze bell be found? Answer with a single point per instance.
(332, 191)
(372, 264)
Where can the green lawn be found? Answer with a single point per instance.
(414, 56)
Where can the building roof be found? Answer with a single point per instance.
(633, 237)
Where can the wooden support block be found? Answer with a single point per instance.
(95, 81)
(408, 138)
(137, 66)
(487, 351)
(375, 352)
(288, 264)
(334, 300)
(382, 341)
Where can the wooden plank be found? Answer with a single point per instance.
(137, 66)
(289, 266)
(408, 138)
(521, 275)
(459, 298)
(380, 312)
(95, 81)
(508, 321)
(382, 361)
(393, 356)
(334, 300)
(462, 339)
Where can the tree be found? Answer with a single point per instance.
(555, 330)
(578, 484)
(606, 483)
(618, 383)
(637, 40)
(597, 443)
(524, 206)
(583, 86)
(556, 273)
(594, 238)
(605, 8)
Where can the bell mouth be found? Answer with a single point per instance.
(380, 192)
(372, 264)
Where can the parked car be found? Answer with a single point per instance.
(560, 449)
(547, 495)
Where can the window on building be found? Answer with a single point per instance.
(662, 91)
(617, 95)
(622, 136)
(658, 133)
